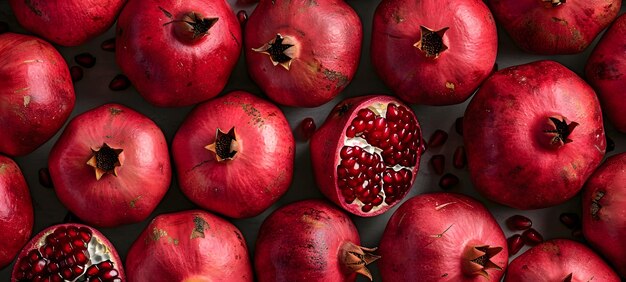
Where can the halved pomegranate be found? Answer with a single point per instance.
(366, 155)
(68, 252)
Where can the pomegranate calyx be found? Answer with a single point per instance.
(225, 146)
(477, 260)
(355, 258)
(105, 160)
(192, 27)
(554, 3)
(568, 278)
(558, 131)
(281, 50)
(595, 204)
(431, 42)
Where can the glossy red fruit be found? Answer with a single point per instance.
(234, 155)
(67, 22)
(455, 237)
(310, 240)
(177, 53)
(433, 52)
(606, 72)
(303, 53)
(559, 260)
(540, 139)
(110, 166)
(604, 207)
(68, 252)
(16, 211)
(36, 93)
(518, 222)
(189, 246)
(552, 27)
(366, 154)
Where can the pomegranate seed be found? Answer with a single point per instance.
(610, 144)
(458, 126)
(438, 138)
(570, 220)
(108, 45)
(518, 222)
(438, 163)
(93, 270)
(120, 82)
(76, 73)
(85, 60)
(448, 181)
(515, 243)
(307, 128)
(459, 158)
(532, 237)
(577, 233)
(242, 16)
(4, 27)
(44, 177)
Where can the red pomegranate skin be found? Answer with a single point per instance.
(541, 28)
(36, 93)
(189, 246)
(16, 211)
(454, 75)
(328, 141)
(168, 66)
(143, 176)
(262, 167)
(303, 241)
(511, 155)
(604, 211)
(326, 35)
(555, 260)
(606, 72)
(440, 228)
(67, 22)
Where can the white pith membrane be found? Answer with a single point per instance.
(379, 109)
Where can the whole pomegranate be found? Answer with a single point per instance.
(36, 93)
(189, 246)
(366, 154)
(442, 237)
(553, 27)
(302, 53)
(234, 155)
(110, 166)
(559, 260)
(604, 210)
(533, 134)
(16, 211)
(177, 53)
(67, 22)
(606, 72)
(433, 52)
(68, 252)
(310, 240)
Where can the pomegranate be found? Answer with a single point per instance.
(604, 210)
(110, 166)
(533, 139)
(552, 27)
(366, 155)
(302, 53)
(310, 240)
(36, 93)
(606, 72)
(559, 260)
(433, 52)
(177, 53)
(16, 211)
(68, 252)
(442, 236)
(189, 246)
(67, 22)
(234, 155)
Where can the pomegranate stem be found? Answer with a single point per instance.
(281, 50)
(105, 160)
(225, 146)
(477, 260)
(431, 42)
(356, 258)
(192, 27)
(558, 131)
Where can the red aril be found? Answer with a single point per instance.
(307, 128)
(76, 73)
(110, 166)
(36, 93)
(437, 139)
(515, 244)
(68, 252)
(366, 154)
(119, 82)
(448, 181)
(438, 163)
(570, 220)
(459, 159)
(85, 60)
(533, 139)
(108, 45)
(189, 246)
(531, 237)
(518, 222)
(442, 236)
